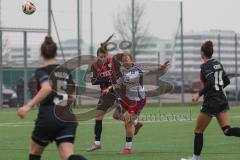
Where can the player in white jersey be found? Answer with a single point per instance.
(132, 101)
(127, 82)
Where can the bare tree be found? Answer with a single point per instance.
(124, 27)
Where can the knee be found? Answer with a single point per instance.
(35, 149)
(99, 115)
(115, 117)
(127, 119)
(198, 130)
(226, 130)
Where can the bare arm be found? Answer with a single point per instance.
(160, 69)
(45, 90)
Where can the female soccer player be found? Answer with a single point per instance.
(127, 81)
(48, 127)
(215, 103)
(132, 101)
(101, 75)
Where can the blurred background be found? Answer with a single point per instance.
(158, 30)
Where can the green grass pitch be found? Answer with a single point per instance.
(167, 135)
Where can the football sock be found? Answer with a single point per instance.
(98, 130)
(198, 143)
(128, 142)
(135, 122)
(228, 131)
(76, 157)
(34, 157)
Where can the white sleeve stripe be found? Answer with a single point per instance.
(209, 74)
(44, 78)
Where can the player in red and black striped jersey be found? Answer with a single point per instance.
(101, 74)
(215, 103)
(49, 127)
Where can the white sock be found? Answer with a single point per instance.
(128, 145)
(195, 157)
(135, 122)
(97, 142)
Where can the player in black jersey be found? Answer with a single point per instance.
(215, 103)
(48, 126)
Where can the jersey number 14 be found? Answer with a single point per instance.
(218, 80)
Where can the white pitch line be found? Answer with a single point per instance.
(30, 124)
(13, 123)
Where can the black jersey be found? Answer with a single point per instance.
(42, 74)
(214, 79)
(54, 123)
(59, 78)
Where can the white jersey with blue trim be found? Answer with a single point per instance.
(131, 81)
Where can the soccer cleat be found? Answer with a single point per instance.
(94, 147)
(126, 150)
(138, 126)
(190, 158)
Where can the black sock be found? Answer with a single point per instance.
(76, 157)
(129, 139)
(234, 132)
(231, 131)
(198, 143)
(98, 130)
(34, 157)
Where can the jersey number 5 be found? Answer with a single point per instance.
(62, 97)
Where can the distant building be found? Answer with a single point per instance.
(224, 50)
(17, 55)
(15, 52)
(154, 50)
(70, 49)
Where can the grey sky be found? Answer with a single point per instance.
(211, 14)
(161, 16)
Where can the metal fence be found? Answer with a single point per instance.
(155, 29)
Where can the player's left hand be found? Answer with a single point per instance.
(23, 110)
(195, 98)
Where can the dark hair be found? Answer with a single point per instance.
(48, 48)
(103, 49)
(207, 49)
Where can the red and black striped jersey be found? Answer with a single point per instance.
(101, 73)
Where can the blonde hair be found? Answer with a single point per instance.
(125, 54)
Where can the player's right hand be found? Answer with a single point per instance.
(22, 111)
(105, 91)
(195, 98)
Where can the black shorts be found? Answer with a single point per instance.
(213, 109)
(43, 135)
(106, 101)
